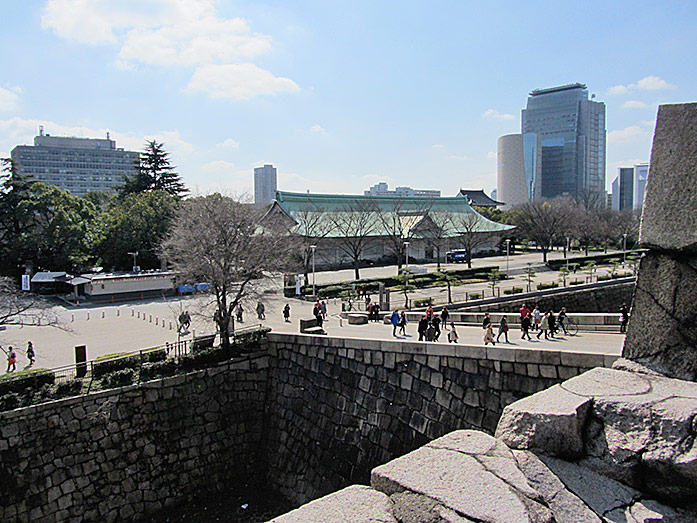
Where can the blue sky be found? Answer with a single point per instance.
(337, 95)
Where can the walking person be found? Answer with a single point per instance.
(503, 329)
(260, 311)
(436, 328)
(394, 320)
(536, 318)
(286, 313)
(444, 315)
(544, 327)
(524, 311)
(31, 356)
(486, 321)
(452, 334)
(422, 327)
(489, 335)
(624, 318)
(323, 309)
(11, 360)
(525, 326)
(239, 312)
(403, 323)
(561, 320)
(552, 321)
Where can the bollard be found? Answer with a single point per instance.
(88, 315)
(157, 321)
(150, 319)
(103, 315)
(138, 314)
(118, 312)
(133, 312)
(72, 317)
(163, 324)
(170, 325)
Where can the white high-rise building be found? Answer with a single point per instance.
(518, 169)
(629, 187)
(265, 185)
(77, 165)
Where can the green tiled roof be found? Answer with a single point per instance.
(322, 210)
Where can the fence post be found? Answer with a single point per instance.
(102, 314)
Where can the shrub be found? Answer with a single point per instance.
(576, 282)
(424, 302)
(119, 378)
(605, 277)
(542, 286)
(9, 401)
(159, 369)
(68, 388)
(113, 362)
(622, 274)
(514, 290)
(26, 380)
(475, 295)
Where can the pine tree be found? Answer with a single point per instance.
(155, 173)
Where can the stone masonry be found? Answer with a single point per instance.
(118, 454)
(662, 333)
(343, 406)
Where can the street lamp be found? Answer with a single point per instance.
(508, 245)
(134, 254)
(406, 255)
(624, 249)
(313, 247)
(568, 247)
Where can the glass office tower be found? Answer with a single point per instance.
(571, 129)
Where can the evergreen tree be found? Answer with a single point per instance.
(14, 188)
(154, 173)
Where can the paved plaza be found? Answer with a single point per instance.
(123, 327)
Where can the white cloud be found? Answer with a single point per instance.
(318, 129)
(9, 98)
(626, 135)
(233, 144)
(494, 114)
(491, 154)
(617, 90)
(634, 104)
(169, 33)
(217, 166)
(648, 83)
(238, 81)
(648, 123)
(456, 157)
(652, 83)
(437, 146)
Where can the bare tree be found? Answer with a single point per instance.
(543, 221)
(471, 231)
(354, 225)
(25, 309)
(312, 228)
(219, 240)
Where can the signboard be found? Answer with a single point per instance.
(26, 282)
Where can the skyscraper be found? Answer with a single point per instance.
(518, 169)
(629, 187)
(77, 165)
(571, 129)
(265, 185)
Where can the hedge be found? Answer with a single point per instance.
(542, 286)
(576, 282)
(423, 302)
(475, 295)
(25, 380)
(514, 290)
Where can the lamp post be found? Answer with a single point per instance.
(406, 255)
(134, 254)
(624, 249)
(568, 246)
(313, 247)
(508, 245)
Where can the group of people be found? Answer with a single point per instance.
(489, 329)
(12, 356)
(319, 311)
(431, 325)
(544, 323)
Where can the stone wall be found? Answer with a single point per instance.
(343, 406)
(603, 297)
(116, 454)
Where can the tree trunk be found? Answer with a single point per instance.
(544, 255)
(438, 257)
(469, 259)
(356, 270)
(450, 297)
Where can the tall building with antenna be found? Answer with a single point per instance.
(572, 139)
(77, 165)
